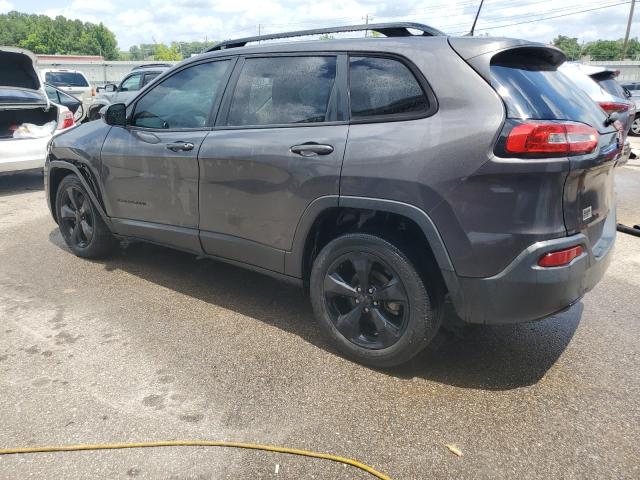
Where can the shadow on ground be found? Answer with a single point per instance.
(20, 183)
(493, 358)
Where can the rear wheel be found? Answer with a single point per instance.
(635, 126)
(82, 228)
(371, 301)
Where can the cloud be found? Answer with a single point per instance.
(138, 21)
(6, 6)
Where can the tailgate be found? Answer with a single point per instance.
(588, 193)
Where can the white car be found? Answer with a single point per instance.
(28, 119)
(73, 82)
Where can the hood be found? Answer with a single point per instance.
(20, 85)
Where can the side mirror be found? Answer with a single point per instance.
(116, 115)
(110, 88)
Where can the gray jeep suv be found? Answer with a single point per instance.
(387, 176)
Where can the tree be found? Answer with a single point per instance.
(60, 35)
(162, 52)
(604, 49)
(569, 45)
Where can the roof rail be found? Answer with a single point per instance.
(395, 29)
(151, 65)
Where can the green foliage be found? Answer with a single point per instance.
(62, 36)
(160, 51)
(597, 50)
(325, 36)
(569, 45)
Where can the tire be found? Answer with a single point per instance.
(635, 126)
(81, 226)
(391, 318)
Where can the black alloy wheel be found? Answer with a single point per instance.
(366, 300)
(77, 217)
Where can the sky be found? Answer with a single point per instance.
(149, 21)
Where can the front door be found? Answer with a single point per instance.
(278, 145)
(150, 167)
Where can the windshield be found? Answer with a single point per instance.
(66, 79)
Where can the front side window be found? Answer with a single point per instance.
(383, 86)
(183, 100)
(283, 90)
(131, 84)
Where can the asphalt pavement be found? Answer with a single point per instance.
(154, 344)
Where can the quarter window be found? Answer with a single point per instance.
(283, 90)
(183, 100)
(383, 86)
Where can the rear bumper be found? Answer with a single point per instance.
(524, 291)
(22, 154)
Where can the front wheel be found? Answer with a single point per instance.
(82, 227)
(371, 302)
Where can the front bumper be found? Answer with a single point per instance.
(22, 154)
(524, 291)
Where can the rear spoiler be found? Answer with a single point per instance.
(478, 52)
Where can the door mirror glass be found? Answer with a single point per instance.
(109, 88)
(116, 114)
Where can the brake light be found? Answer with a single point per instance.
(67, 120)
(611, 107)
(93, 91)
(551, 138)
(560, 258)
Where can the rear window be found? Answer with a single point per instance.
(611, 86)
(66, 79)
(534, 89)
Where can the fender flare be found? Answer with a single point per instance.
(65, 165)
(294, 258)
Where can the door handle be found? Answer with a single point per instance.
(177, 146)
(311, 149)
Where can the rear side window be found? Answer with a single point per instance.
(66, 79)
(611, 86)
(149, 76)
(383, 87)
(534, 89)
(283, 90)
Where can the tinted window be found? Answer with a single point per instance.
(52, 93)
(131, 83)
(66, 79)
(149, 76)
(283, 90)
(383, 86)
(613, 87)
(183, 100)
(534, 89)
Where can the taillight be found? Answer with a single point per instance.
(560, 258)
(611, 107)
(67, 120)
(93, 91)
(551, 138)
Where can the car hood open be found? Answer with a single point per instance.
(20, 85)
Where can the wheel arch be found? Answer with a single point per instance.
(58, 169)
(322, 213)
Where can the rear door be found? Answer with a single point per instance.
(150, 167)
(278, 145)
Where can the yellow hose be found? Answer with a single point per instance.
(196, 443)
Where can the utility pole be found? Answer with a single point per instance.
(259, 29)
(366, 19)
(626, 36)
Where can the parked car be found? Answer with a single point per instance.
(634, 90)
(61, 98)
(72, 82)
(598, 82)
(28, 119)
(127, 89)
(387, 176)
